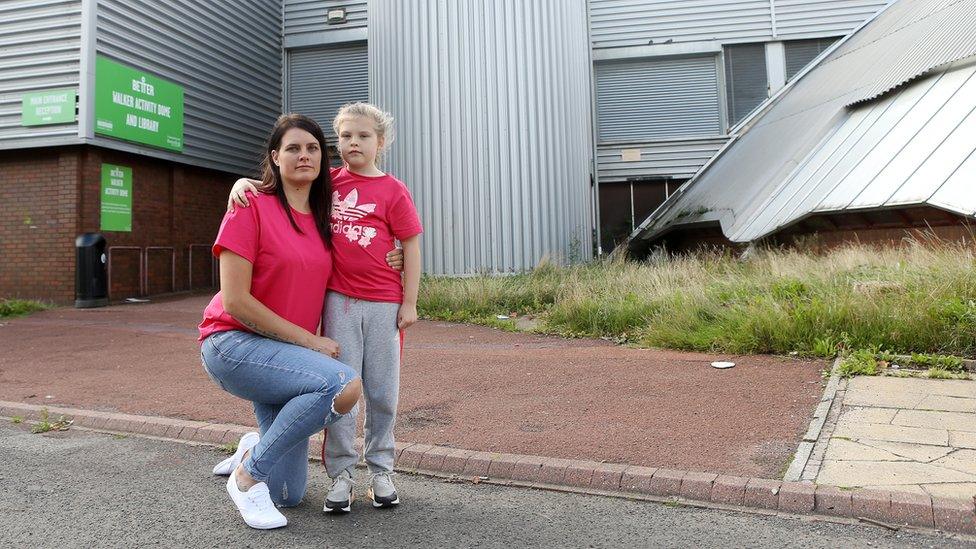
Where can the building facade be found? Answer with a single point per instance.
(673, 79)
(131, 118)
(128, 118)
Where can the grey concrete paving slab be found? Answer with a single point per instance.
(892, 433)
(905, 434)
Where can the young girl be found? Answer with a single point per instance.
(367, 305)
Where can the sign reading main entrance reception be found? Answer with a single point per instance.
(137, 106)
(116, 198)
(48, 107)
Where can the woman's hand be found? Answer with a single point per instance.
(237, 195)
(406, 316)
(394, 258)
(324, 345)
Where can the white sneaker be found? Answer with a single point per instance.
(248, 441)
(255, 505)
(382, 491)
(340, 495)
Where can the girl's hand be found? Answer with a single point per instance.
(394, 258)
(237, 195)
(324, 345)
(406, 316)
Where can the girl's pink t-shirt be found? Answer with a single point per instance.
(368, 213)
(290, 270)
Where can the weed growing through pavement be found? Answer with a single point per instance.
(941, 373)
(939, 362)
(45, 425)
(17, 420)
(914, 299)
(859, 363)
(229, 448)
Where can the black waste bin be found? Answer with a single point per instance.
(91, 279)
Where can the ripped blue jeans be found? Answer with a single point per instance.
(292, 389)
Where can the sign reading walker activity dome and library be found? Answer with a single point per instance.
(137, 106)
(116, 198)
(48, 107)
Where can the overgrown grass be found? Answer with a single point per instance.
(17, 307)
(917, 299)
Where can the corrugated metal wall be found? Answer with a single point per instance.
(638, 22)
(657, 99)
(618, 23)
(227, 56)
(315, 90)
(814, 18)
(493, 133)
(677, 158)
(40, 48)
(304, 22)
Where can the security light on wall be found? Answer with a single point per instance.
(335, 16)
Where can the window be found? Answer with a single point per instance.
(657, 99)
(799, 53)
(745, 79)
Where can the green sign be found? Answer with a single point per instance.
(48, 107)
(116, 198)
(137, 106)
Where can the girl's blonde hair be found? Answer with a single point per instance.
(382, 122)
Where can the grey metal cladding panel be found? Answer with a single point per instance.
(745, 79)
(958, 193)
(839, 161)
(40, 45)
(932, 153)
(225, 54)
(308, 16)
(923, 100)
(799, 53)
(321, 80)
(617, 23)
(941, 31)
(796, 18)
(654, 99)
(493, 126)
(678, 159)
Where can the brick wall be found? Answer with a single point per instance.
(38, 223)
(49, 196)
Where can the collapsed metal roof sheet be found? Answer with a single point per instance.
(824, 145)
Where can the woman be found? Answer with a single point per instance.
(259, 333)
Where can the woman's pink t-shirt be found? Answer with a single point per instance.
(290, 270)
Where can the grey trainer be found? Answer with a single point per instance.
(382, 491)
(340, 495)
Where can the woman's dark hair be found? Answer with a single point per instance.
(320, 196)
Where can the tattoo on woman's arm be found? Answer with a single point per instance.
(267, 333)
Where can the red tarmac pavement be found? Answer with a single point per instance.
(462, 387)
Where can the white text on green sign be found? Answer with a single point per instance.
(137, 106)
(48, 107)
